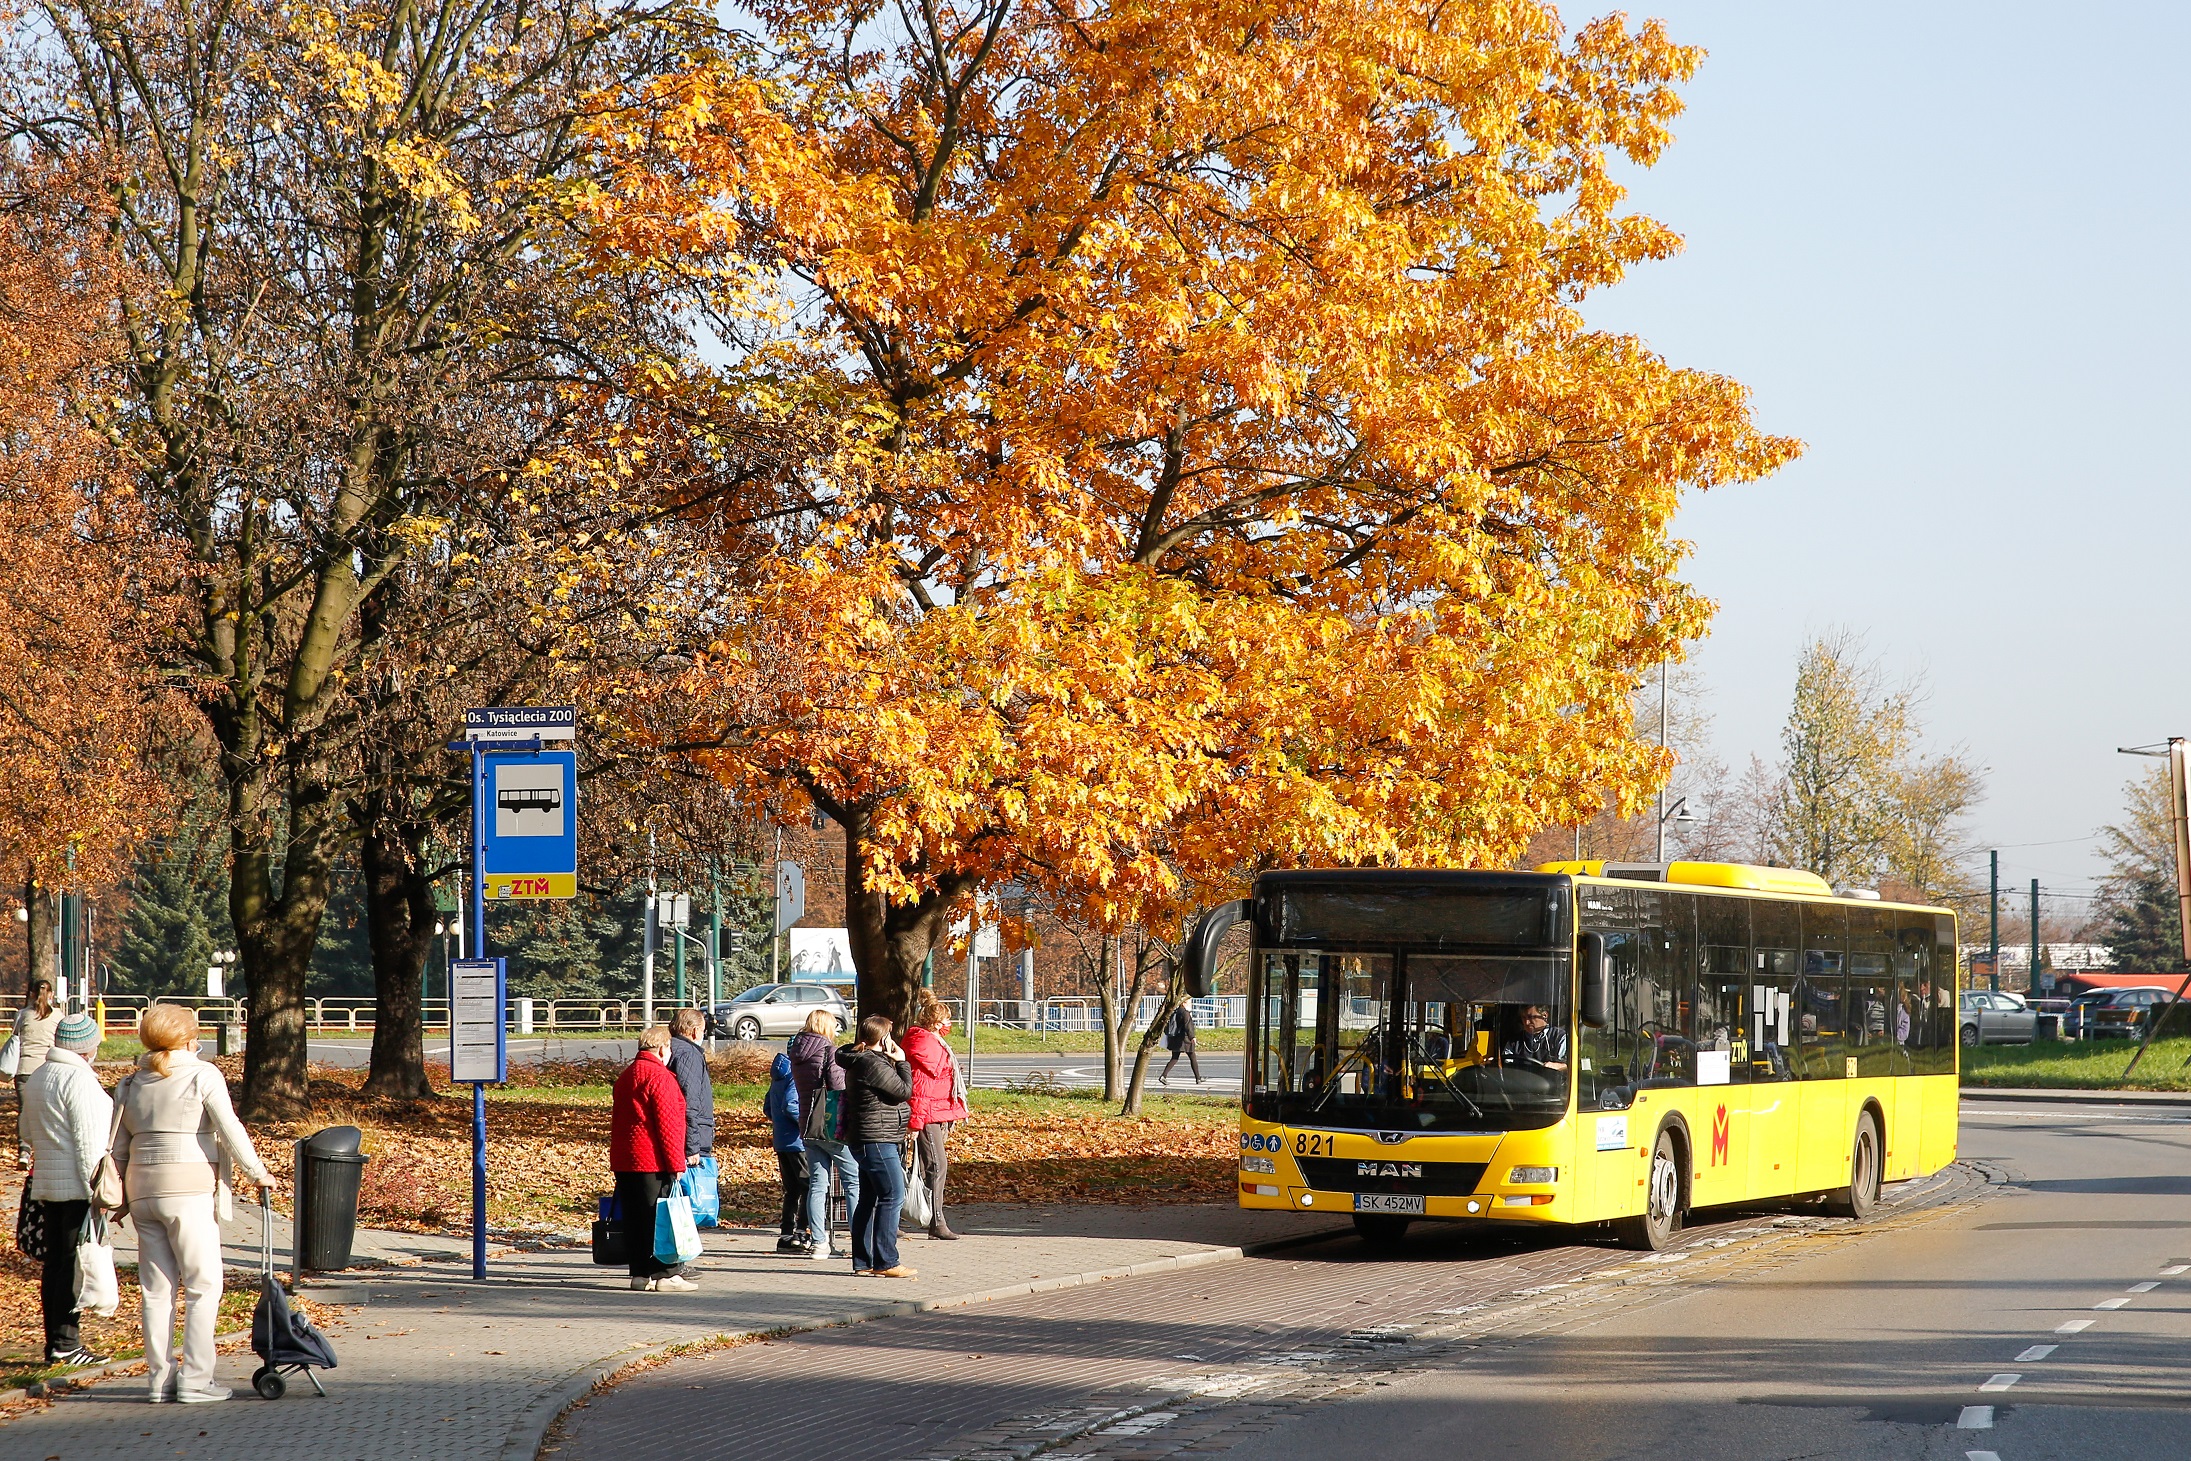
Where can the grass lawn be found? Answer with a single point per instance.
(2092, 1065)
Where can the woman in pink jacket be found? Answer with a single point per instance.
(938, 1104)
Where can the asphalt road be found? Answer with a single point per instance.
(2032, 1302)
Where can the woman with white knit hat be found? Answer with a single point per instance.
(66, 1117)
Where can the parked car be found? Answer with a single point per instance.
(2119, 1012)
(776, 1009)
(1996, 1019)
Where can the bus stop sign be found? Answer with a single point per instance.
(529, 817)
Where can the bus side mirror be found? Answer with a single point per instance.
(1597, 981)
(1199, 959)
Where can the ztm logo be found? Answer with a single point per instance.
(530, 887)
(1719, 1136)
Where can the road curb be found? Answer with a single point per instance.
(2077, 1098)
(533, 1422)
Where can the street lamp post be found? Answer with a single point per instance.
(1679, 814)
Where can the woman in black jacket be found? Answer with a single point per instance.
(878, 1086)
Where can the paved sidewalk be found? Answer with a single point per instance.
(436, 1365)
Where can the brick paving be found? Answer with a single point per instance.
(435, 1365)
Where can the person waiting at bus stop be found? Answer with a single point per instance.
(1540, 1042)
(647, 1151)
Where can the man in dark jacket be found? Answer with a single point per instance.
(689, 1063)
(878, 1086)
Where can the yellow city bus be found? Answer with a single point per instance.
(1587, 1043)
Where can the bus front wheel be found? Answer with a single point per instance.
(1380, 1229)
(1655, 1227)
(1862, 1194)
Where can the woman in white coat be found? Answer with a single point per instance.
(177, 1141)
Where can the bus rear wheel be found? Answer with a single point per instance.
(1655, 1227)
(1380, 1229)
(1862, 1194)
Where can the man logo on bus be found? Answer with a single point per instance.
(1719, 1136)
(1388, 1169)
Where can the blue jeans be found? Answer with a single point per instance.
(818, 1168)
(882, 1198)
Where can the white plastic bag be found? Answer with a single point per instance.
(676, 1235)
(97, 1291)
(918, 1210)
(11, 1055)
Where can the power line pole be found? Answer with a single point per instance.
(1662, 746)
(2032, 986)
(1994, 903)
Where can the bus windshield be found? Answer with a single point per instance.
(1411, 1040)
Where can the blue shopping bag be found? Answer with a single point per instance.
(676, 1236)
(703, 1184)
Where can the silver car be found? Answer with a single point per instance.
(1996, 1019)
(777, 1009)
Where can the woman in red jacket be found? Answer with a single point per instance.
(647, 1149)
(937, 1103)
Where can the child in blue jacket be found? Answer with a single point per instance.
(781, 1107)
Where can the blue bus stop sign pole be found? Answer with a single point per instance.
(479, 951)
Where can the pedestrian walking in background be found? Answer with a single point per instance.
(67, 1116)
(815, 1073)
(1179, 1040)
(647, 1150)
(33, 1037)
(178, 1143)
(877, 1088)
(781, 1107)
(938, 1102)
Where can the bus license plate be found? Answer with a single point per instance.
(1411, 1202)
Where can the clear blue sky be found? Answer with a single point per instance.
(1945, 245)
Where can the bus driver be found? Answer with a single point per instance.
(1538, 1043)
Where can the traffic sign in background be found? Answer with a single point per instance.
(530, 824)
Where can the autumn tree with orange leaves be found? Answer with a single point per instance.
(1222, 471)
(84, 591)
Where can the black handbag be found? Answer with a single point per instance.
(30, 1226)
(608, 1233)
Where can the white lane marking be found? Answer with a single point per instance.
(2112, 1304)
(2074, 1326)
(1975, 1418)
(2175, 1268)
(2145, 1288)
(2000, 1382)
(1981, 1456)
(2036, 1352)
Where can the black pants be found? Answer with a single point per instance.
(1192, 1064)
(636, 1195)
(57, 1283)
(791, 1166)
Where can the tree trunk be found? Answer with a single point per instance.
(1107, 1001)
(1175, 994)
(399, 922)
(275, 936)
(890, 942)
(44, 961)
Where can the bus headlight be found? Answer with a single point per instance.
(1533, 1176)
(1259, 1164)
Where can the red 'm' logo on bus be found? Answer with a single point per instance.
(1719, 1136)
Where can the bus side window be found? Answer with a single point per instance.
(1607, 1060)
(1776, 937)
(1821, 1028)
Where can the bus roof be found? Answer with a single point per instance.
(1741, 877)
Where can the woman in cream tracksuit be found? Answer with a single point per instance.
(176, 1142)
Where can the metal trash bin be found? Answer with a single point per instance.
(330, 1170)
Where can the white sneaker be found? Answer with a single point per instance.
(201, 1394)
(824, 1254)
(671, 1283)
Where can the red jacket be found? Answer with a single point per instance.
(935, 1078)
(647, 1119)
